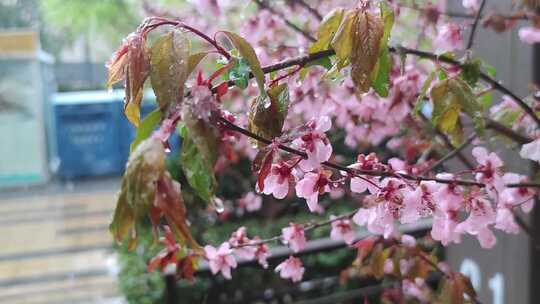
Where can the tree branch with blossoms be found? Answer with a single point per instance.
(295, 155)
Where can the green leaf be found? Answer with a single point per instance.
(145, 129)
(342, 42)
(239, 73)
(267, 113)
(446, 110)
(470, 71)
(490, 70)
(194, 60)
(380, 75)
(387, 15)
(451, 97)
(327, 30)
(199, 153)
(380, 82)
(246, 50)
(145, 166)
(468, 102)
(169, 66)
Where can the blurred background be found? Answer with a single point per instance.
(64, 142)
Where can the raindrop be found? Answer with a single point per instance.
(218, 204)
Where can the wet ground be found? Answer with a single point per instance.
(55, 244)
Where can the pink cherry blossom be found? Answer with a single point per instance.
(412, 205)
(471, 5)
(408, 240)
(262, 253)
(449, 37)
(370, 183)
(444, 228)
(489, 163)
(377, 219)
(447, 197)
(239, 238)
(294, 236)
(522, 196)
(342, 230)
(531, 150)
(388, 266)
(311, 186)
(205, 6)
(415, 289)
(315, 143)
(291, 268)
(277, 181)
(251, 202)
(481, 216)
(220, 260)
(505, 221)
(530, 35)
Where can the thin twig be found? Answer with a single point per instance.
(507, 132)
(310, 9)
(475, 24)
(307, 227)
(293, 26)
(452, 153)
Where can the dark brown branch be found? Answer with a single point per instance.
(475, 24)
(310, 9)
(507, 132)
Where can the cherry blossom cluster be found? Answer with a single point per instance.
(389, 194)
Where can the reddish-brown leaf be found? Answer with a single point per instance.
(265, 169)
(169, 199)
(368, 32)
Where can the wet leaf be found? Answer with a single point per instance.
(381, 80)
(117, 67)
(450, 292)
(145, 129)
(239, 73)
(380, 76)
(169, 201)
(451, 97)
(368, 31)
(465, 285)
(199, 153)
(246, 50)
(169, 65)
(267, 113)
(146, 165)
(327, 30)
(469, 103)
(470, 71)
(378, 259)
(265, 167)
(194, 60)
(342, 43)
(137, 70)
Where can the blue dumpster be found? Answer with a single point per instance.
(87, 133)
